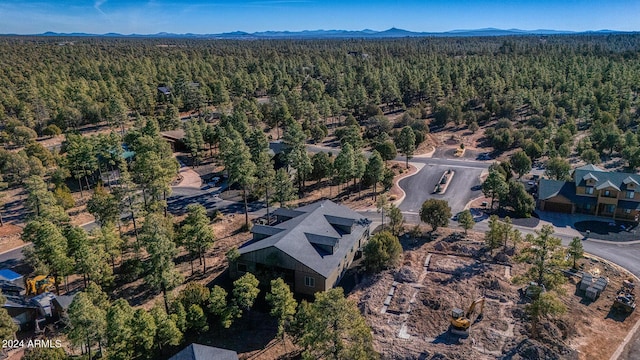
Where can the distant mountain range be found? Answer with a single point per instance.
(339, 34)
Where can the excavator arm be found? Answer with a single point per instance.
(473, 305)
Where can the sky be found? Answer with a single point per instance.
(211, 17)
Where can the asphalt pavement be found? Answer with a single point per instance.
(417, 187)
(464, 186)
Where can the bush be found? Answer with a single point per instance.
(194, 293)
(63, 196)
(51, 130)
(382, 251)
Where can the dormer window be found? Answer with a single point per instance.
(607, 193)
(630, 194)
(589, 190)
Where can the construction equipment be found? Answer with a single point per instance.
(625, 298)
(460, 320)
(40, 284)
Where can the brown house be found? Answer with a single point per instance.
(310, 247)
(593, 191)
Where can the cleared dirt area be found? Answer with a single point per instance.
(452, 271)
(10, 237)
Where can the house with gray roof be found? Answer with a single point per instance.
(593, 191)
(310, 247)
(203, 352)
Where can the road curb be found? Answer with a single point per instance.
(419, 167)
(15, 248)
(426, 155)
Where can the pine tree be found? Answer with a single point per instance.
(406, 143)
(465, 219)
(237, 159)
(546, 254)
(196, 235)
(245, 291)
(283, 304)
(8, 328)
(345, 164)
(119, 319)
(88, 322)
(375, 171)
(576, 250)
(167, 332)
(332, 327)
(283, 188)
(157, 238)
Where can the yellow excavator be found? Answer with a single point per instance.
(460, 320)
(39, 284)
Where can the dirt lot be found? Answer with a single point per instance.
(415, 323)
(353, 199)
(10, 237)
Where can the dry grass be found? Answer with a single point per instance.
(459, 272)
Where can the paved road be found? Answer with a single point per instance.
(464, 186)
(626, 255)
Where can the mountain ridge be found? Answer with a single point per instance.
(327, 34)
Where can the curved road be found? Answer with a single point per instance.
(418, 188)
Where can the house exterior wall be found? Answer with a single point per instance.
(275, 257)
(623, 195)
(608, 200)
(582, 190)
(631, 215)
(558, 203)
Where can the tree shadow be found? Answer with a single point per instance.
(465, 272)
(447, 338)
(617, 315)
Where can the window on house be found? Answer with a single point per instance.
(587, 207)
(630, 194)
(627, 211)
(309, 281)
(611, 208)
(589, 190)
(242, 267)
(607, 193)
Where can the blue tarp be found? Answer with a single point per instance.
(9, 275)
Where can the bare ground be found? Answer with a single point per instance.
(415, 324)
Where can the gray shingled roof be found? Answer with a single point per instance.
(265, 230)
(203, 352)
(64, 301)
(311, 222)
(551, 188)
(618, 179)
(630, 180)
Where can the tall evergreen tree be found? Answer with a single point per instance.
(157, 238)
(406, 143)
(196, 235)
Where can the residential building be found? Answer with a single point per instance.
(593, 191)
(310, 247)
(203, 352)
